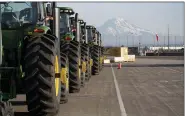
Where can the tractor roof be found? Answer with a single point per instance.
(90, 27)
(66, 10)
(81, 21)
(71, 17)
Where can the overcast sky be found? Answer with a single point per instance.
(151, 16)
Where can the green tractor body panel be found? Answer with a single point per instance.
(11, 42)
(45, 28)
(68, 35)
(11, 38)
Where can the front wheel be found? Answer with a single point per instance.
(96, 60)
(42, 75)
(74, 67)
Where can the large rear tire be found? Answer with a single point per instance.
(82, 73)
(65, 78)
(96, 60)
(42, 75)
(102, 53)
(90, 67)
(64, 47)
(85, 53)
(74, 66)
(6, 109)
(90, 58)
(101, 57)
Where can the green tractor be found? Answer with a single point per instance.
(99, 41)
(30, 57)
(70, 46)
(85, 51)
(78, 29)
(66, 35)
(94, 48)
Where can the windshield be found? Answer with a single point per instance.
(89, 34)
(15, 14)
(64, 23)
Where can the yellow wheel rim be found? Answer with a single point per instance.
(79, 70)
(67, 79)
(57, 80)
(64, 78)
(84, 66)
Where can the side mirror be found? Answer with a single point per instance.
(49, 10)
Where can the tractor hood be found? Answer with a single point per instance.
(67, 36)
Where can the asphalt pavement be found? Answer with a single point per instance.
(131, 91)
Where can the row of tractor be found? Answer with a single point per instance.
(46, 52)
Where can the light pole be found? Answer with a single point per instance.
(168, 39)
(116, 42)
(132, 41)
(127, 40)
(139, 44)
(119, 41)
(154, 41)
(175, 42)
(164, 42)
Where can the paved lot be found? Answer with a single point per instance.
(155, 61)
(98, 98)
(144, 91)
(152, 91)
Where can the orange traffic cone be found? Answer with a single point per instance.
(119, 65)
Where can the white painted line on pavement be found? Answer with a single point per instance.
(121, 105)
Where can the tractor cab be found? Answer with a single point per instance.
(72, 25)
(75, 27)
(16, 14)
(65, 21)
(98, 38)
(82, 30)
(91, 34)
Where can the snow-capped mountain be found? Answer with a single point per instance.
(120, 26)
(123, 29)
